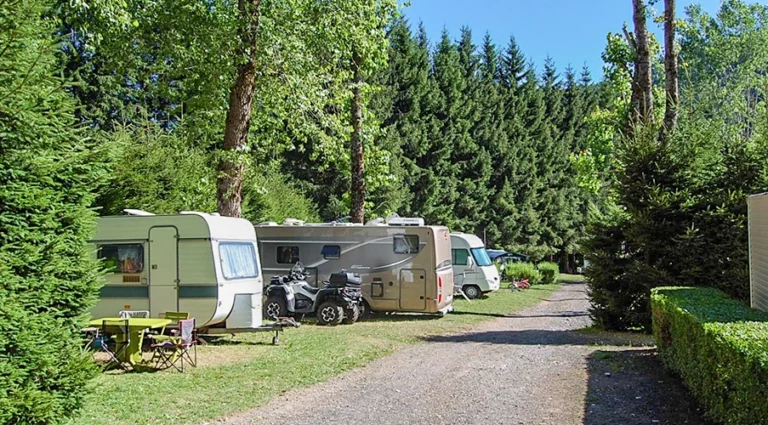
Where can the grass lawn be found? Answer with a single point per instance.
(245, 371)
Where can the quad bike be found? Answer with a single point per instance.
(338, 301)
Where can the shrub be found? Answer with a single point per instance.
(718, 346)
(522, 270)
(550, 272)
(47, 278)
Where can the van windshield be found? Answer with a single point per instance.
(481, 257)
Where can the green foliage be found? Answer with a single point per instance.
(269, 196)
(718, 346)
(47, 279)
(140, 175)
(680, 213)
(550, 272)
(520, 270)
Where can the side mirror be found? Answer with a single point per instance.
(470, 263)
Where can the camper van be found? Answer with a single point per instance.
(473, 270)
(404, 265)
(193, 262)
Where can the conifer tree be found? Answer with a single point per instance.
(48, 280)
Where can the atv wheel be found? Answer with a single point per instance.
(330, 313)
(275, 307)
(351, 315)
(472, 292)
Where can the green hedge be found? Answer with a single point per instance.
(718, 346)
(523, 271)
(549, 272)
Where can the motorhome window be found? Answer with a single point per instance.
(287, 254)
(238, 260)
(460, 257)
(481, 257)
(406, 244)
(122, 258)
(331, 252)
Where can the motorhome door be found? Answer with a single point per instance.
(413, 289)
(163, 270)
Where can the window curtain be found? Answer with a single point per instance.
(238, 260)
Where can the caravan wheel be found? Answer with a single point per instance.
(365, 310)
(472, 291)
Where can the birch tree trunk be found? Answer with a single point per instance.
(229, 183)
(642, 96)
(356, 144)
(670, 68)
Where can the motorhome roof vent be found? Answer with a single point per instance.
(396, 220)
(293, 222)
(131, 211)
(267, 223)
(376, 222)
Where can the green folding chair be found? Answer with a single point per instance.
(174, 316)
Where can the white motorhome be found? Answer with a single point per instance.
(473, 270)
(193, 262)
(404, 265)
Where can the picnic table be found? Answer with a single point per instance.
(136, 326)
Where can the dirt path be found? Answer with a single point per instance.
(528, 368)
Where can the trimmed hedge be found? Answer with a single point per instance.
(549, 272)
(523, 271)
(718, 346)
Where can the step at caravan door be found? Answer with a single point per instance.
(163, 270)
(413, 289)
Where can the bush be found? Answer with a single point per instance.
(48, 280)
(718, 346)
(550, 272)
(522, 270)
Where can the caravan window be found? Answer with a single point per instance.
(460, 257)
(287, 254)
(331, 252)
(122, 258)
(406, 244)
(238, 260)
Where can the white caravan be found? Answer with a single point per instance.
(473, 270)
(193, 262)
(404, 265)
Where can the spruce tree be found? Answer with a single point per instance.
(48, 279)
(471, 158)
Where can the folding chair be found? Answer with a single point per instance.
(126, 314)
(120, 341)
(89, 336)
(174, 317)
(177, 350)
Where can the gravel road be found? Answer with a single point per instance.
(527, 368)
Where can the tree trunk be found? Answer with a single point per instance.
(670, 68)
(642, 97)
(356, 145)
(229, 183)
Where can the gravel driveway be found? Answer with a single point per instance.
(527, 368)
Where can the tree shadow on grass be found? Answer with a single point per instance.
(543, 337)
(631, 387)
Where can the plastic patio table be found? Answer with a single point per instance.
(132, 353)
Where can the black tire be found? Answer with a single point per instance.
(365, 310)
(351, 315)
(330, 313)
(472, 292)
(275, 307)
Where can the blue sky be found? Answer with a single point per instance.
(571, 31)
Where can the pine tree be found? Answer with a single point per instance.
(48, 280)
(471, 158)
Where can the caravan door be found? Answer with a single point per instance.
(413, 289)
(163, 270)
